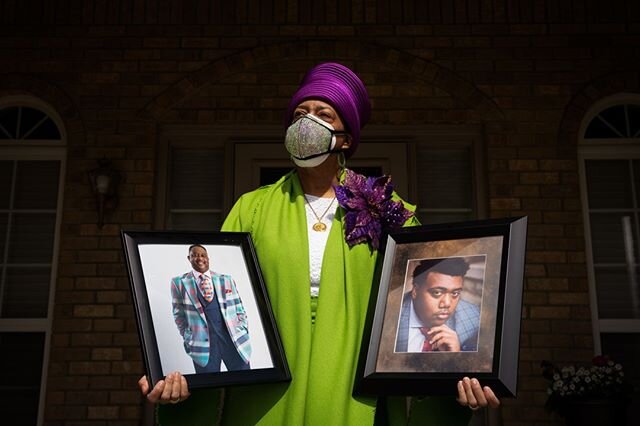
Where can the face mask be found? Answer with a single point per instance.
(310, 140)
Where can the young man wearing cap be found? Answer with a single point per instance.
(433, 317)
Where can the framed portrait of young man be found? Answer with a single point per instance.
(202, 308)
(448, 305)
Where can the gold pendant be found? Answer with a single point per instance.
(319, 227)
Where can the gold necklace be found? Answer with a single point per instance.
(319, 226)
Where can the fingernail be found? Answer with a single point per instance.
(474, 381)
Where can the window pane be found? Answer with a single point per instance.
(608, 184)
(616, 290)
(3, 234)
(47, 130)
(26, 292)
(634, 120)
(616, 117)
(270, 175)
(20, 383)
(444, 178)
(196, 221)
(598, 130)
(6, 176)
(608, 237)
(31, 238)
(37, 184)
(197, 178)
(8, 120)
(28, 119)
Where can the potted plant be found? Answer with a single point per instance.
(588, 395)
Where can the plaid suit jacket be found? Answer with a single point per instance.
(188, 314)
(465, 322)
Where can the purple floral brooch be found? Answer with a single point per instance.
(370, 211)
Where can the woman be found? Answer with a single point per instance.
(322, 324)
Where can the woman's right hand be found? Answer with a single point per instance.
(171, 390)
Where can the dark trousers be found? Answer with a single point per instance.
(221, 347)
(232, 360)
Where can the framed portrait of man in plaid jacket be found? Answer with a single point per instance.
(202, 308)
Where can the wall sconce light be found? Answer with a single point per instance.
(104, 182)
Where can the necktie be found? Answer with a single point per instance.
(426, 346)
(206, 288)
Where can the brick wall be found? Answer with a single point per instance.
(526, 71)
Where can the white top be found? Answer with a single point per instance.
(416, 338)
(318, 240)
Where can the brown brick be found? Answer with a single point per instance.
(131, 397)
(546, 257)
(89, 368)
(114, 297)
(91, 339)
(523, 165)
(568, 298)
(93, 311)
(106, 354)
(103, 412)
(109, 325)
(98, 256)
(548, 312)
(547, 283)
(535, 271)
(543, 178)
(535, 298)
(87, 397)
(505, 204)
(95, 283)
(105, 382)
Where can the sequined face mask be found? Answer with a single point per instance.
(310, 140)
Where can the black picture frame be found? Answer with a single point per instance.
(159, 269)
(494, 247)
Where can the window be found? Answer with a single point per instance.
(31, 168)
(445, 183)
(438, 168)
(609, 159)
(196, 177)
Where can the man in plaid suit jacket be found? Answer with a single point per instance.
(433, 317)
(210, 316)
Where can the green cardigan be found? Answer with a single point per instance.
(322, 363)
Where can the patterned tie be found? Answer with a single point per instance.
(426, 346)
(206, 288)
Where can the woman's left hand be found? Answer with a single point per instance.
(474, 396)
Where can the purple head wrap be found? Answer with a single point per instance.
(340, 87)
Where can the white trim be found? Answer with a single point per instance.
(603, 149)
(39, 150)
(36, 103)
(601, 105)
